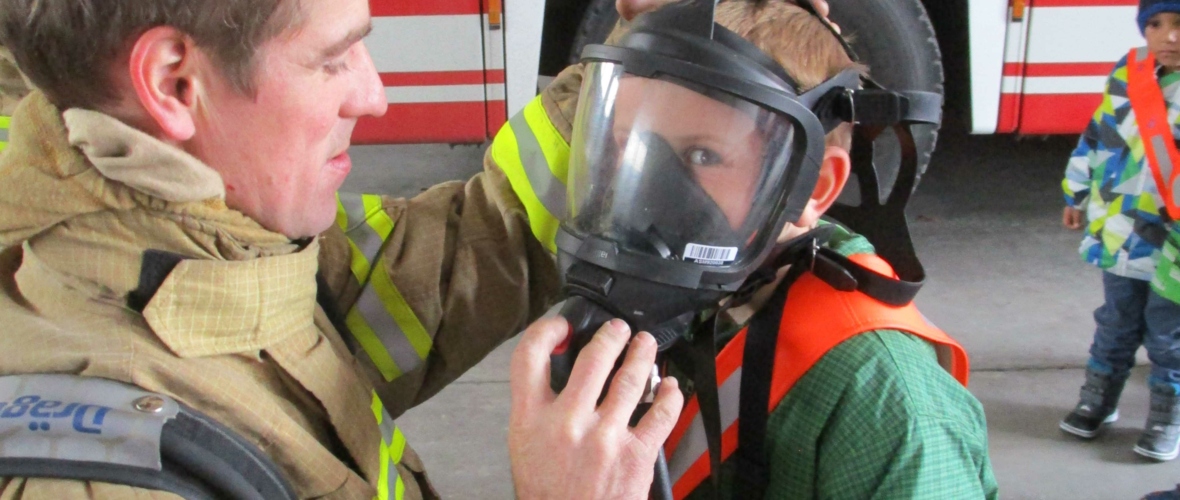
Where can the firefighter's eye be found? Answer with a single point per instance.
(336, 66)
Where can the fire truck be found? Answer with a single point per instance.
(454, 70)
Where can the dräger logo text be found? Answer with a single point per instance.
(43, 414)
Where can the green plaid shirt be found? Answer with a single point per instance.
(876, 417)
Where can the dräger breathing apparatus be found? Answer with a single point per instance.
(691, 151)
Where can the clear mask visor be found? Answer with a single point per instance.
(670, 169)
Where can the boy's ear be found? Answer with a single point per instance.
(833, 174)
(163, 68)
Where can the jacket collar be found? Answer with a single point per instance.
(124, 154)
(95, 194)
(208, 307)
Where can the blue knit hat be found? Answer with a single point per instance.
(1148, 8)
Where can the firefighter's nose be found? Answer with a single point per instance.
(369, 98)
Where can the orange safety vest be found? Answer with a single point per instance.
(1151, 114)
(809, 329)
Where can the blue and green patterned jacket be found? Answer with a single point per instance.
(1110, 180)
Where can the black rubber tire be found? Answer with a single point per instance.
(893, 37)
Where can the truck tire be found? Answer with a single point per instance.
(893, 37)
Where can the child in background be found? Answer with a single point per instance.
(1110, 178)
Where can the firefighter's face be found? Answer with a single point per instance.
(1163, 38)
(283, 153)
(720, 143)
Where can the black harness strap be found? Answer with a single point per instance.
(751, 462)
(704, 349)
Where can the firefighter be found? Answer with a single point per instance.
(170, 228)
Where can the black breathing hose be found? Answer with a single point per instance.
(661, 485)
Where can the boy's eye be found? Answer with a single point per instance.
(702, 157)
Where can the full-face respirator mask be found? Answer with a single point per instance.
(691, 151)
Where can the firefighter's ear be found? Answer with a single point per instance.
(162, 67)
(833, 174)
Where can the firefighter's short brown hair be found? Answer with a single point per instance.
(68, 48)
(797, 40)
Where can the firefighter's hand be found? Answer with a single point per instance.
(628, 9)
(565, 445)
(1072, 218)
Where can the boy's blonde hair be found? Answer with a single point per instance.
(797, 40)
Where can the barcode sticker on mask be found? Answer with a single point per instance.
(703, 254)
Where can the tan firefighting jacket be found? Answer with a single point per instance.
(427, 287)
(13, 86)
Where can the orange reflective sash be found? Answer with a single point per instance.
(810, 328)
(1155, 129)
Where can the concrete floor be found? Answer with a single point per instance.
(1004, 280)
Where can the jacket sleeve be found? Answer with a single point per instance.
(13, 87)
(1096, 141)
(430, 285)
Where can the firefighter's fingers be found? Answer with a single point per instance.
(594, 365)
(821, 7)
(529, 372)
(630, 382)
(657, 424)
(628, 9)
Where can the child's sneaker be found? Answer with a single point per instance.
(1097, 405)
(1161, 437)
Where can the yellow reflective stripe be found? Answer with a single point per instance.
(381, 320)
(396, 305)
(553, 145)
(372, 345)
(341, 214)
(375, 312)
(5, 122)
(393, 446)
(367, 225)
(396, 449)
(376, 216)
(383, 476)
(535, 158)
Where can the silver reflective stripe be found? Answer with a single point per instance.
(387, 427)
(1141, 54)
(694, 443)
(65, 417)
(548, 188)
(1176, 192)
(370, 307)
(359, 231)
(1162, 158)
(3, 134)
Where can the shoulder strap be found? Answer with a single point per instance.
(1151, 114)
(751, 464)
(91, 429)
